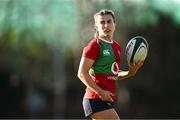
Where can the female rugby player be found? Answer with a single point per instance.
(99, 68)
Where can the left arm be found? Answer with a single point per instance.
(133, 68)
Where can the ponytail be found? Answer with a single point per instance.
(96, 34)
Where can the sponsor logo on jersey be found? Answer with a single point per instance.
(111, 78)
(106, 52)
(115, 68)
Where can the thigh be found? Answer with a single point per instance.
(106, 114)
(92, 106)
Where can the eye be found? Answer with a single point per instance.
(102, 22)
(109, 21)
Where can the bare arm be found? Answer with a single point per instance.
(83, 74)
(133, 68)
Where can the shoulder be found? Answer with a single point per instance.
(116, 44)
(91, 50)
(93, 43)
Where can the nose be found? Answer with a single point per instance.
(106, 24)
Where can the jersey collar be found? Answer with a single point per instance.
(104, 40)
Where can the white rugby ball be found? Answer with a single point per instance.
(136, 49)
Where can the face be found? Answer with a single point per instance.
(105, 26)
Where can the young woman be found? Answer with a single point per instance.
(99, 68)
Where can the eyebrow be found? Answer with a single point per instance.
(102, 21)
(109, 20)
(106, 20)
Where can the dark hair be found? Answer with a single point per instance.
(103, 12)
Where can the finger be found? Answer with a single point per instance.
(111, 94)
(111, 100)
(134, 63)
(131, 64)
(142, 62)
(137, 62)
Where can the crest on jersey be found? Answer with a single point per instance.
(115, 68)
(106, 52)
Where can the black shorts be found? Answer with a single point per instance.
(92, 106)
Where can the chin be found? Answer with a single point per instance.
(108, 35)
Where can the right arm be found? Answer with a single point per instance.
(83, 74)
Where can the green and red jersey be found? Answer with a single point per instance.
(106, 66)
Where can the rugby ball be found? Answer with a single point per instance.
(136, 49)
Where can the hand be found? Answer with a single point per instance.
(106, 96)
(134, 67)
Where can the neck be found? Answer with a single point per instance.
(107, 37)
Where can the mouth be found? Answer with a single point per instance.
(107, 30)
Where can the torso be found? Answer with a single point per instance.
(104, 70)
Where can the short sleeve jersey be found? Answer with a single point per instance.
(106, 66)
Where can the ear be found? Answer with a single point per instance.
(95, 27)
